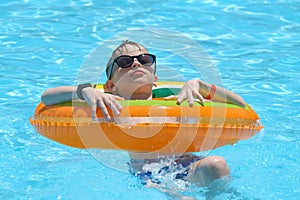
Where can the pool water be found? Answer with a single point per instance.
(253, 45)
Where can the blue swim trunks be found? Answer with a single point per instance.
(179, 168)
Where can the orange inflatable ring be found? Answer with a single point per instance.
(148, 126)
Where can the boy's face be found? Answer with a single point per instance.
(136, 78)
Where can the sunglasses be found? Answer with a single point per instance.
(126, 61)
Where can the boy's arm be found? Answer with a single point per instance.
(220, 94)
(59, 95)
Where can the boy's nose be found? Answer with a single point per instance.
(136, 63)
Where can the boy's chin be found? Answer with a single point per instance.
(141, 80)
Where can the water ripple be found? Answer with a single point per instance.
(272, 88)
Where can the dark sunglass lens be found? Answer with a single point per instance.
(124, 61)
(146, 59)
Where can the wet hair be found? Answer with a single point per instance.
(120, 50)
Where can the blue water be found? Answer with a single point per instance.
(253, 45)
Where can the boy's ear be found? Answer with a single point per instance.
(155, 81)
(109, 86)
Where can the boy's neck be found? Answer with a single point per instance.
(141, 96)
(143, 92)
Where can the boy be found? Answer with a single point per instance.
(131, 75)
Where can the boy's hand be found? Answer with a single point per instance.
(96, 98)
(190, 91)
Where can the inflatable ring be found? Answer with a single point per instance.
(148, 125)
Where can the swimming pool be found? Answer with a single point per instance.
(255, 46)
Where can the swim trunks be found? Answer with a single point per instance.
(179, 168)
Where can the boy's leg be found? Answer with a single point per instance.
(207, 170)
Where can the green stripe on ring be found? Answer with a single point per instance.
(168, 103)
